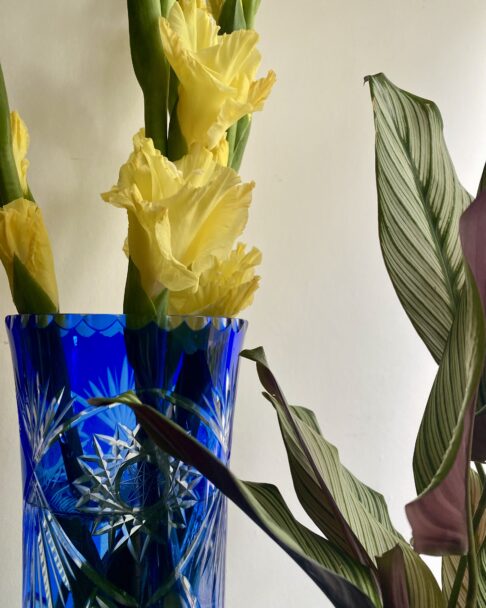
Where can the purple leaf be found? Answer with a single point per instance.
(393, 579)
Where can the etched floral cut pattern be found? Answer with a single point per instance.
(109, 519)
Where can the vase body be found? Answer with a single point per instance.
(109, 519)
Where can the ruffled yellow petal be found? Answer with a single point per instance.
(215, 7)
(23, 234)
(201, 209)
(147, 175)
(221, 152)
(149, 244)
(197, 28)
(208, 218)
(216, 81)
(20, 146)
(226, 288)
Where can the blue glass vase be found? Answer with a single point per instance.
(109, 519)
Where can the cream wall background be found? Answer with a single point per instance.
(326, 312)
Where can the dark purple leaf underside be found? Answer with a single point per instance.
(473, 239)
(439, 517)
(393, 579)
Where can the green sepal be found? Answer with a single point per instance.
(176, 146)
(28, 295)
(10, 188)
(231, 139)
(250, 8)
(138, 306)
(161, 305)
(136, 301)
(165, 6)
(173, 92)
(243, 128)
(232, 17)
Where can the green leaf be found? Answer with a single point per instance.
(331, 495)
(347, 583)
(232, 17)
(10, 188)
(28, 295)
(451, 563)
(420, 202)
(441, 459)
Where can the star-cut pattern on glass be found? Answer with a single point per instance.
(106, 492)
(120, 480)
(181, 495)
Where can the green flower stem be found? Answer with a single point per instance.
(150, 66)
(10, 188)
(250, 8)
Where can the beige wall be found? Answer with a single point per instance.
(326, 312)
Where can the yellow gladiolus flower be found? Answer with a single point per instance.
(182, 216)
(224, 289)
(215, 7)
(23, 234)
(20, 145)
(221, 152)
(216, 73)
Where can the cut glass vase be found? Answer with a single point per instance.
(109, 519)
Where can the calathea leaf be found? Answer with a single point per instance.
(482, 182)
(451, 563)
(333, 497)
(347, 583)
(420, 202)
(441, 458)
(319, 501)
(473, 232)
(393, 579)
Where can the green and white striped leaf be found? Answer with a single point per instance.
(450, 563)
(441, 459)
(347, 583)
(314, 462)
(420, 202)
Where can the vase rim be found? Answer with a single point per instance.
(99, 321)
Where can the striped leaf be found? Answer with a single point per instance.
(347, 583)
(330, 493)
(420, 202)
(451, 563)
(441, 459)
(472, 230)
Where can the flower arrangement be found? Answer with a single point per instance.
(197, 66)
(431, 234)
(196, 63)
